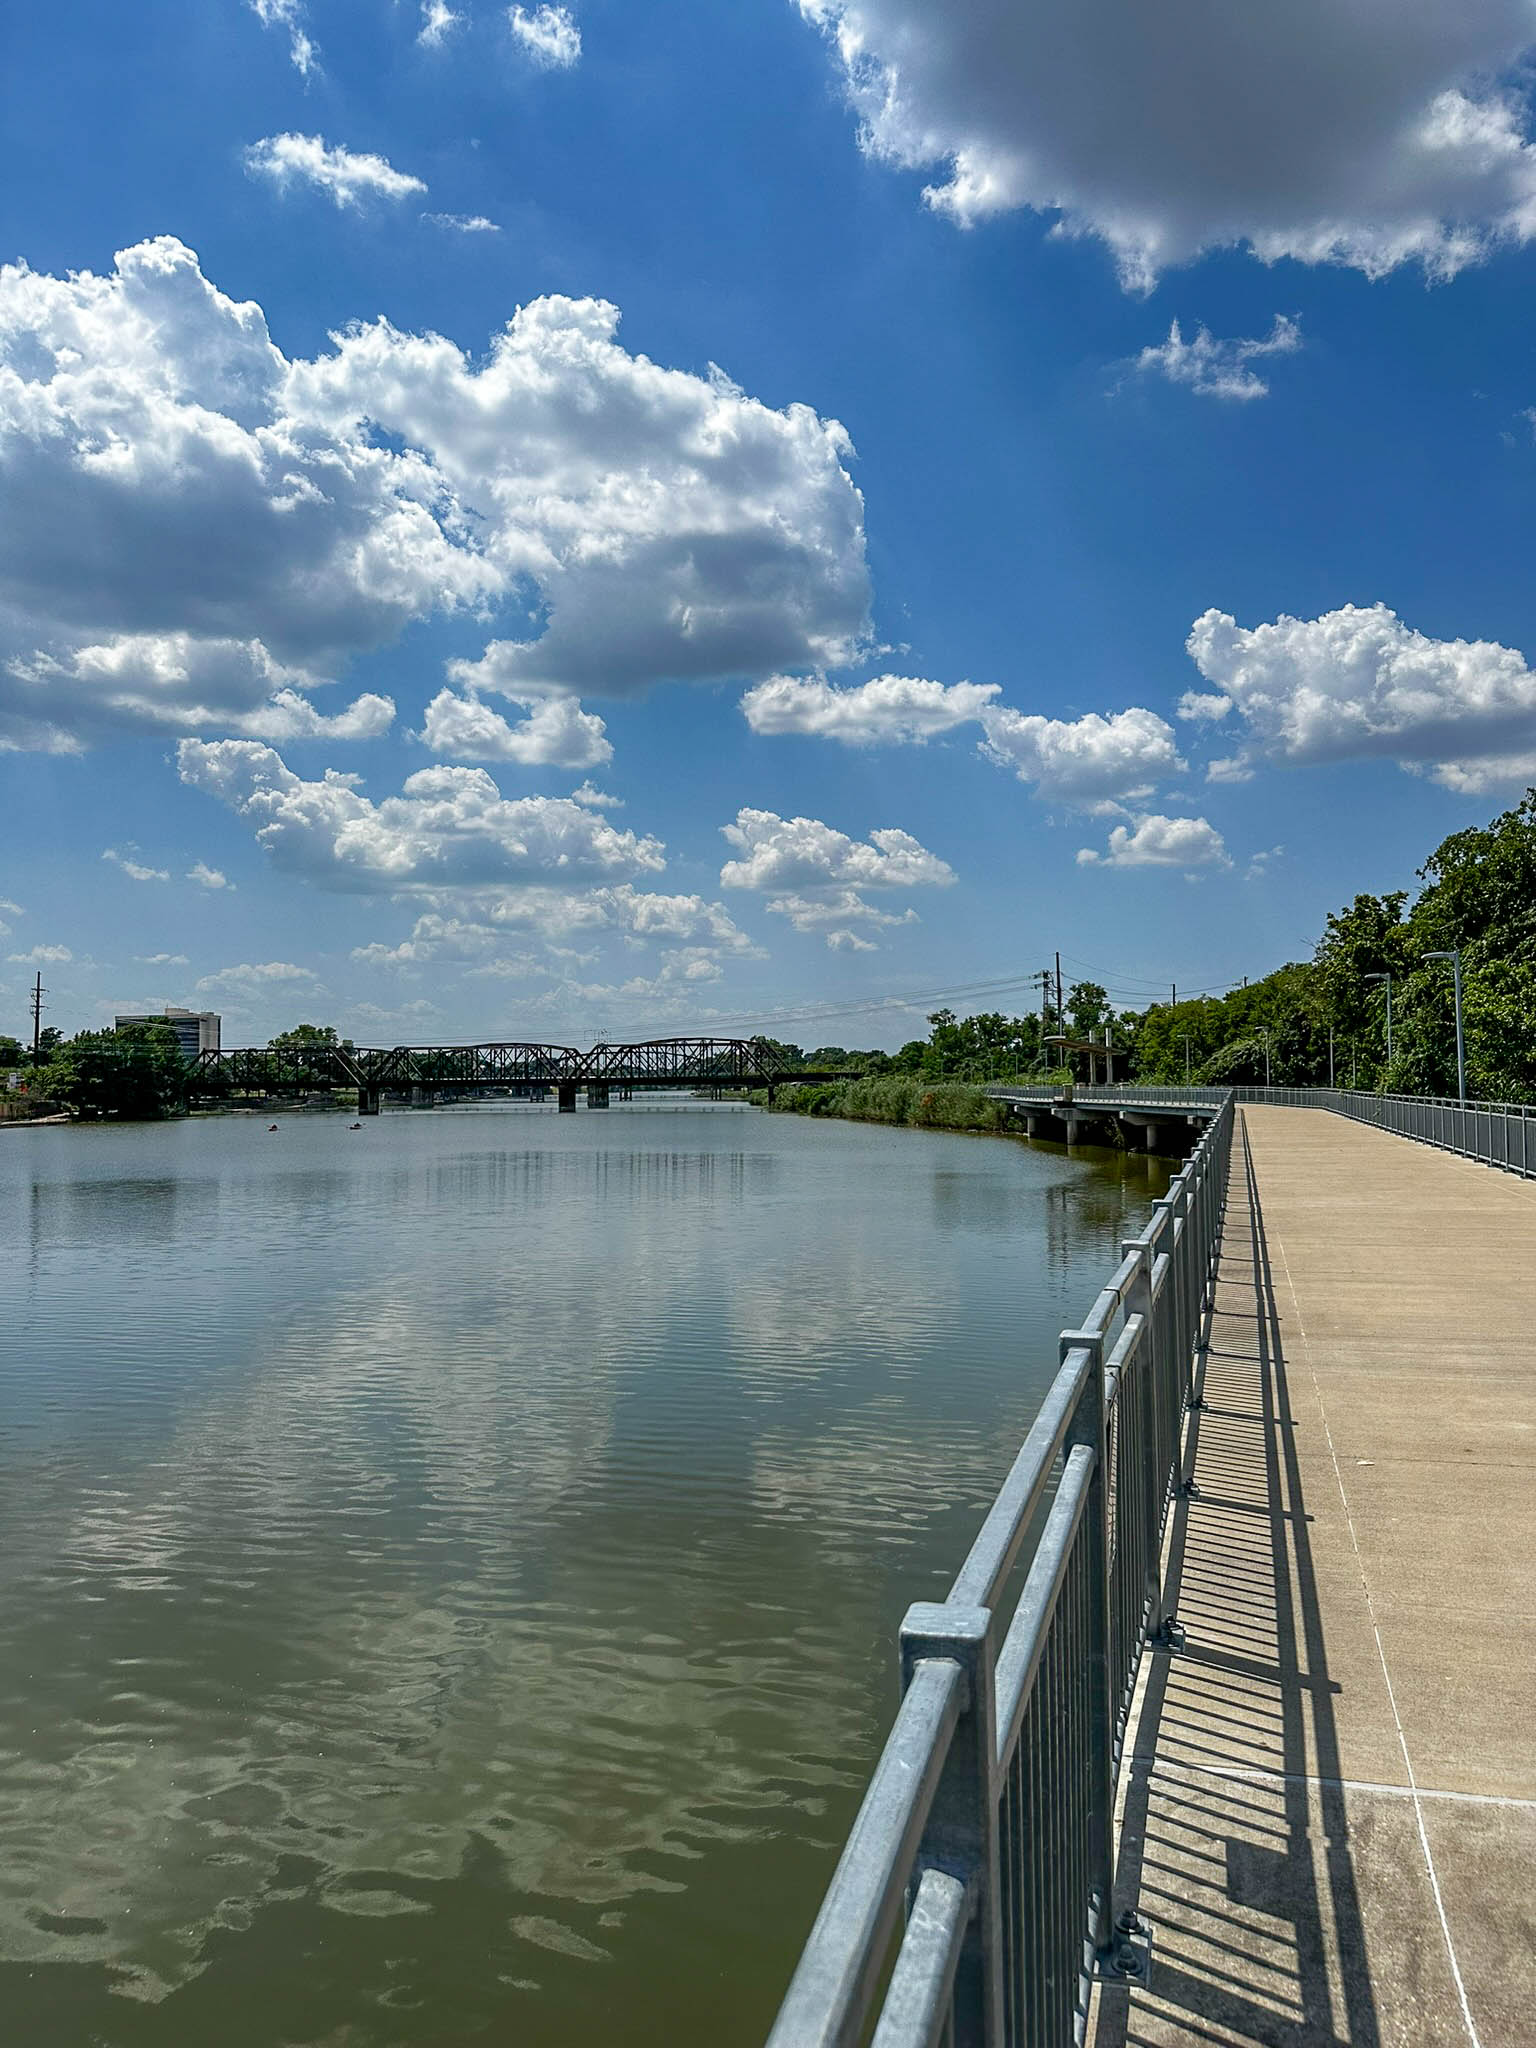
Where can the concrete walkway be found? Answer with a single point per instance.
(1329, 1816)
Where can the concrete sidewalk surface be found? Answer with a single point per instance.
(1329, 1807)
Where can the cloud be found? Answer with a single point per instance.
(207, 877)
(464, 223)
(598, 799)
(438, 20)
(557, 733)
(170, 682)
(255, 974)
(1358, 684)
(1373, 135)
(490, 928)
(135, 870)
(343, 174)
(1093, 760)
(1159, 842)
(1201, 709)
(883, 709)
(161, 959)
(41, 956)
(1088, 761)
(255, 522)
(448, 827)
(288, 15)
(549, 35)
(1218, 369)
(795, 853)
(813, 873)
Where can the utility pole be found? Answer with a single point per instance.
(1061, 1014)
(1188, 1064)
(1175, 988)
(1330, 1055)
(1453, 954)
(37, 1012)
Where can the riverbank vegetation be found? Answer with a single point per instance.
(1302, 1025)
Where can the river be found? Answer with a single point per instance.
(449, 1570)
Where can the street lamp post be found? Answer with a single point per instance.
(1453, 954)
(1388, 980)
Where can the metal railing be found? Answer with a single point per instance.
(1497, 1133)
(990, 1812)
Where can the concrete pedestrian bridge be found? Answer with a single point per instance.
(1253, 1762)
(1328, 1811)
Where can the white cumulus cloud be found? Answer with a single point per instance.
(557, 733)
(1374, 134)
(549, 35)
(813, 874)
(1357, 683)
(255, 974)
(1219, 369)
(42, 956)
(1089, 761)
(255, 522)
(135, 870)
(1158, 842)
(207, 877)
(885, 708)
(447, 827)
(173, 682)
(345, 176)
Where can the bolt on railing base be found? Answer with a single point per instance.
(1128, 1958)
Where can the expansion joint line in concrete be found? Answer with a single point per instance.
(1413, 1788)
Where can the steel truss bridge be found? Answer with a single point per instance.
(514, 1065)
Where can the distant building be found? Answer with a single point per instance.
(196, 1030)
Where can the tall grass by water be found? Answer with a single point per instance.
(899, 1099)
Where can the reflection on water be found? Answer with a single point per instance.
(450, 1570)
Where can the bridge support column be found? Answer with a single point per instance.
(567, 1098)
(597, 1095)
(367, 1101)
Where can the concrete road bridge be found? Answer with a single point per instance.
(1160, 1118)
(513, 1066)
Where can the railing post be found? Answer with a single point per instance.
(1138, 1302)
(1088, 1427)
(962, 1832)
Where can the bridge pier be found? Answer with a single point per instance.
(567, 1098)
(367, 1101)
(597, 1095)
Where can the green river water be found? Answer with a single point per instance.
(449, 1571)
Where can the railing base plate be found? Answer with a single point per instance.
(1128, 1958)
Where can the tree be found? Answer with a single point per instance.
(10, 1051)
(136, 1072)
(304, 1038)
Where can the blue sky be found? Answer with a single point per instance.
(364, 658)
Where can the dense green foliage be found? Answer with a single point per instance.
(900, 1099)
(1306, 1022)
(135, 1072)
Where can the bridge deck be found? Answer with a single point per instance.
(1330, 1811)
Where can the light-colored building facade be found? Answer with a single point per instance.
(196, 1030)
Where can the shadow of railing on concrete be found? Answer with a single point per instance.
(1234, 1839)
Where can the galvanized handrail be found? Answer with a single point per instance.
(1499, 1134)
(991, 1808)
